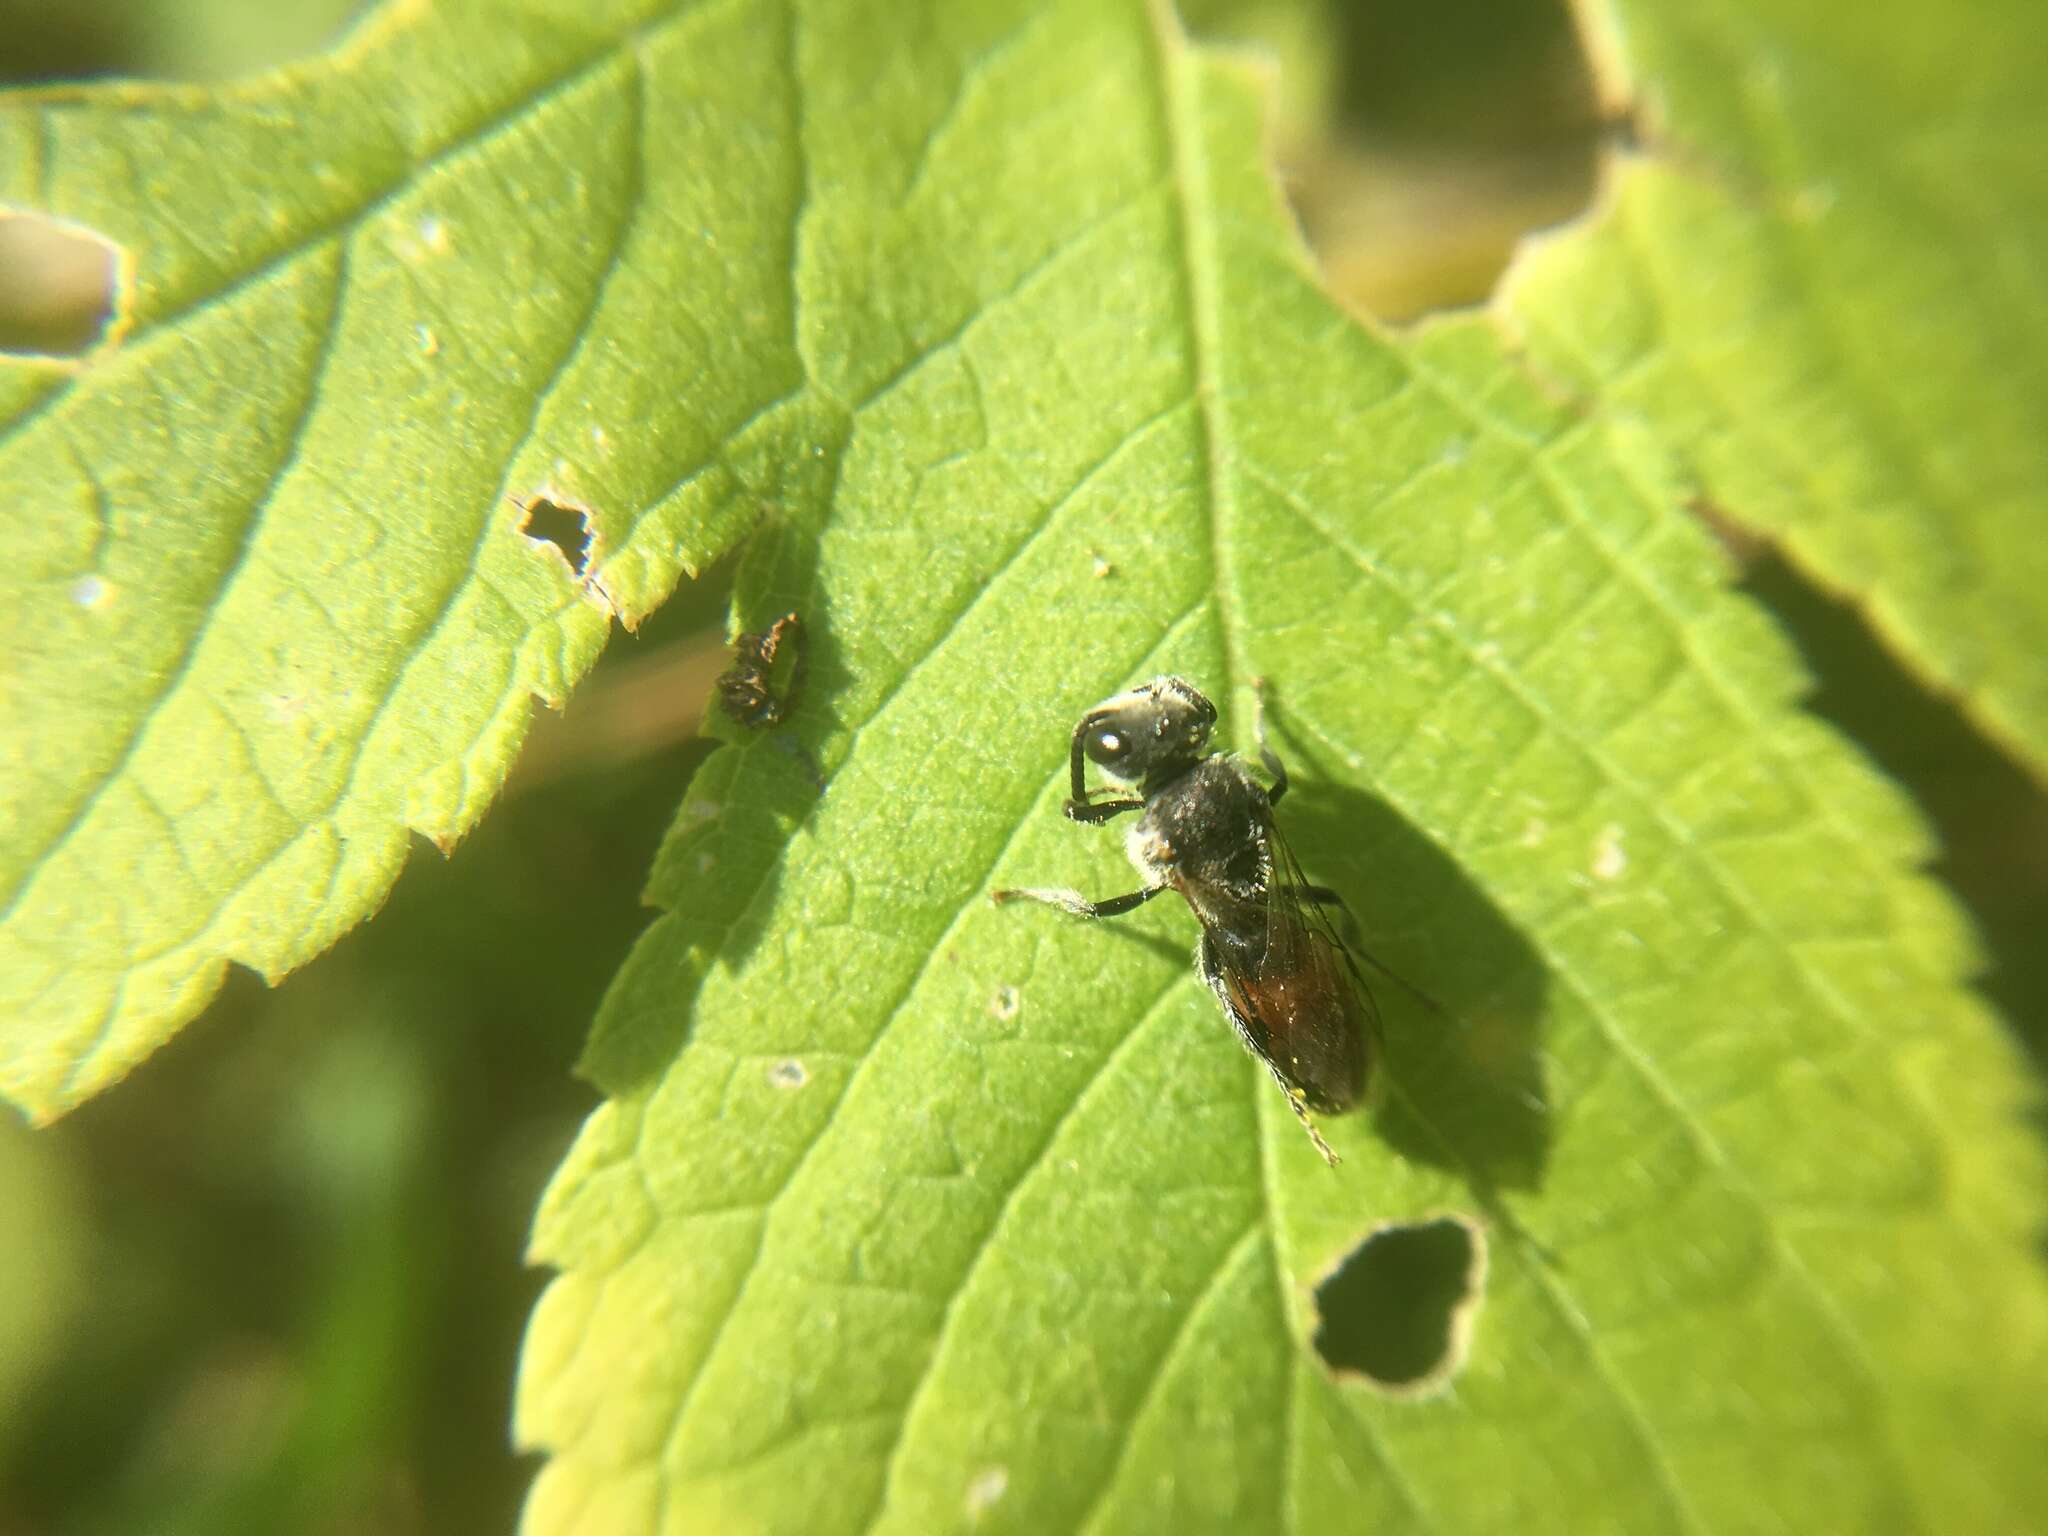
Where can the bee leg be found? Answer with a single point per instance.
(1089, 812)
(1314, 1135)
(1076, 903)
(1271, 759)
(1211, 970)
(1082, 805)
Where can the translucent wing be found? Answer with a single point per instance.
(1300, 998)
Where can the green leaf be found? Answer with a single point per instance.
(906, 1213)
(270, 604)
(1824, 285)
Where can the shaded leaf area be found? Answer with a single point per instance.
(273, 609)
(1821, 282)
(1992, 820)
(908, 1214)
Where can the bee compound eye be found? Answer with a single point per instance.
(1107, 744)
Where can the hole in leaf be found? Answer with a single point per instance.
(565, 527)
(1398, 1307)
(1419, 142)
(64, 42)
(41, 41)
(58, 285)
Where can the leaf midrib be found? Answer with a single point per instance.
(1199, 257)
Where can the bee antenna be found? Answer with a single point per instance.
(1402, 982)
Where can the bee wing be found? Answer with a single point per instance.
(1301, 998)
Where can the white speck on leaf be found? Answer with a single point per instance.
(1005, 1003)
(430, 344)
(91, 592)
(989, 1485)
(1610, 859)
(788, 1073)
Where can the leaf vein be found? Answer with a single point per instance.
(890, 1012)
(181, 667)
(1162, 1367)
(1701, 851)
(988, 1242)
(451, 596)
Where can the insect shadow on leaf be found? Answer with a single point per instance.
(1464, 1068)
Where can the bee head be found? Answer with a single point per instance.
(1147, 734)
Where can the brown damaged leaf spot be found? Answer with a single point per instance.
(1397, 1311)
(65, 290)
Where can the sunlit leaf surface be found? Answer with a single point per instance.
(1822, 281)
(270, 607)
(911, 1214)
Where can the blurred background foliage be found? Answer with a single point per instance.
(273, 1281)
(162, 39)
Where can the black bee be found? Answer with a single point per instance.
(746, 688)
(1284, 978)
